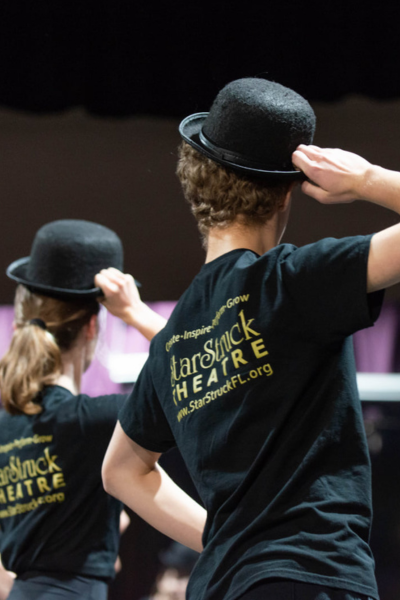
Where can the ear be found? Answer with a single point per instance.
(286, 201)
(92, 328)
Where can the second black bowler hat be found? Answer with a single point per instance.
(253, 127)
(65, 257)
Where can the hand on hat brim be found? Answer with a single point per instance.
(122, 299)
(121, 295)
(336, 176)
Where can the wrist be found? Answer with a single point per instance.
(144, 319)
(366, 189)
(136, 314)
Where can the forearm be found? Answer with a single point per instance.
(338, 177)
(131, 474)
(381, 186)
(160, 502)
(145, 320)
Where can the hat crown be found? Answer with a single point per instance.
(261, 121)
(67, 254)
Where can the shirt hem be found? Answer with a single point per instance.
(323, 580)
(105, 573)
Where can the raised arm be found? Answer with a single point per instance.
(122, 299)
(131, 474)
(341, 177)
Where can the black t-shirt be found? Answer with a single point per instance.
(54, 512)
(253, 378)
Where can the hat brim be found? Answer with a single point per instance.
(190, 129)
(18, 272)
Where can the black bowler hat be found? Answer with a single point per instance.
(65, 257)
(253, 127)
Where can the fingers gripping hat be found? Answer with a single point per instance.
(253, 127)
(65, 257)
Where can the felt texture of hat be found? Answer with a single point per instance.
(65, 257)
(253, 127)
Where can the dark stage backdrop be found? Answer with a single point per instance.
(120, 57)
(121, 172)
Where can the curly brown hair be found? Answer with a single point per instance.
(218, 196)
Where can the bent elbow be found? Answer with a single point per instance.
(110, 478)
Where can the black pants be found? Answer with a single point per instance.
(295, 590)
(37, 586)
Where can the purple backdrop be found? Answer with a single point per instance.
(115, 337)
(376, 348)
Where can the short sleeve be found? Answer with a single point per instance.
(142, 417)
(327, 283)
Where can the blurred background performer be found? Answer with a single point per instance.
(262, 399)
(59, 529)
(177, 563)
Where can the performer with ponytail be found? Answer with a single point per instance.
(59, 529)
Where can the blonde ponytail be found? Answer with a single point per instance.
(34, 357)
(32, 361)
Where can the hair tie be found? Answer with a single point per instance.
(39, 322)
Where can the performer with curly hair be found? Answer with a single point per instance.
(253, 378)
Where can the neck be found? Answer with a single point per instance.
(258, 238)
(73, 367)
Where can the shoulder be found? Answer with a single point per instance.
(326, 250)
(64, 406)
(4, 416)
(93, 418)
(99, 407)
(11, 426)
